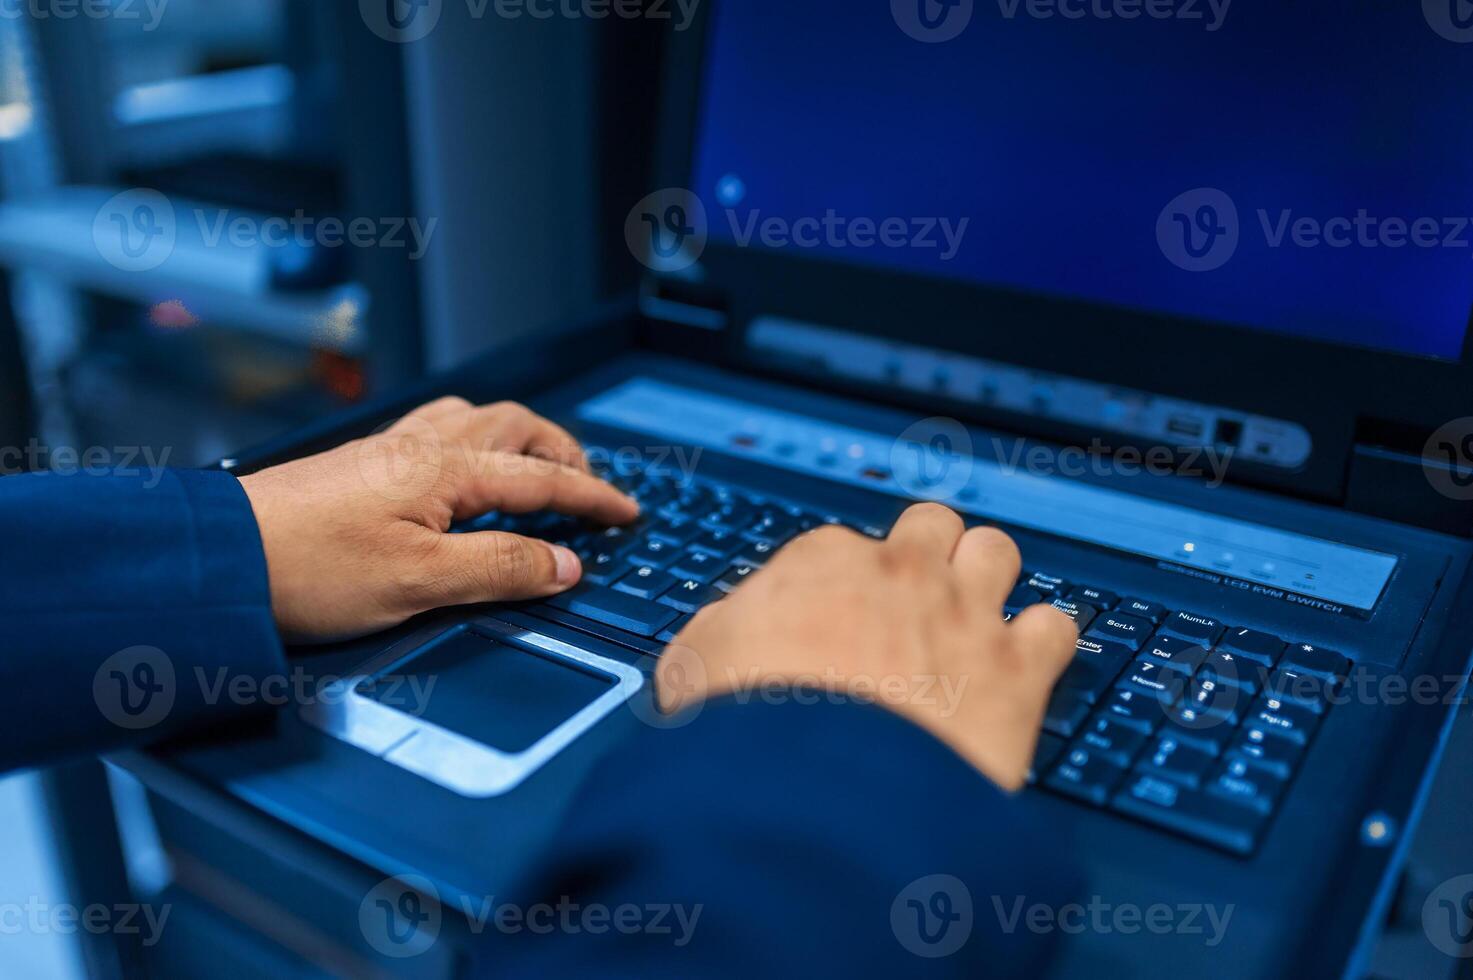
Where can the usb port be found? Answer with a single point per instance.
(1183, 425)
(1229, 432)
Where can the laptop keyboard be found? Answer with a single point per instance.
(1169, 716)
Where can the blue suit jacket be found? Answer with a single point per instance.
(828, 838)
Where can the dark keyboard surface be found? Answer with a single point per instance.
(1166, 715)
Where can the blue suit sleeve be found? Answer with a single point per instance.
(830, 838)
(128, 603)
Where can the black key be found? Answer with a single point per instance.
(1085, 775)
(722, 544)
(1116, 742)
(1177, 654)
(757, 553)
(1276, 755)
(1252, 645)
(653, 495)
(1065, 714)
(1047, 584)
(653, 552)
(704, 513)
(1240, 783)
(670, 632)
(1282, 719)
(1208, 738)
(1049, 747)
(1098, 598)
(734, 516)
(1022, 597)
(1089, 675)
(690, 595)
(698, 565)
(1209, 705)
(1309, 690)
(551, 526)
(1178, 760)
(617, 609)
(676, 530)
(775, 528)
(1202, 629)
(735, 577)
(1118, 652)
(580, 544)
(1077, 611)
(807, 521)
(1132, 606)
(1193, 814)
(1309, 659)
(602, 567)
(616, 539)
(1227, 669)
(1131, 707)
(692, 500)
(1151, 678)
(1122, 629)
(646, 582)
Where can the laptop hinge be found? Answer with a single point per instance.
(1412, 488)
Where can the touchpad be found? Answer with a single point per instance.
(495, 690)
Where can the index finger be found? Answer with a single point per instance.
(931, 527)
(509, 425)
(988, 562)
(517, 484)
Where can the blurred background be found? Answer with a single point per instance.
(489, 166)
(475, 160)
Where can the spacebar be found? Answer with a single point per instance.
(616, 609)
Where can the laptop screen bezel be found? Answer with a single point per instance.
(1328, 388)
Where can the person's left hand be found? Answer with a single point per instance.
(356, 538)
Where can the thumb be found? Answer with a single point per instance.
(492, 566)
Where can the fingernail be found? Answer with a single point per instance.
(569, 568)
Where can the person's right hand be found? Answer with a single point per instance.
(913, 623)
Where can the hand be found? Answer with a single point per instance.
(356, 538)
(914, 623)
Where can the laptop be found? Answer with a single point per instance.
(1181, 304)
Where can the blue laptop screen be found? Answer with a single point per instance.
(1295, 167)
